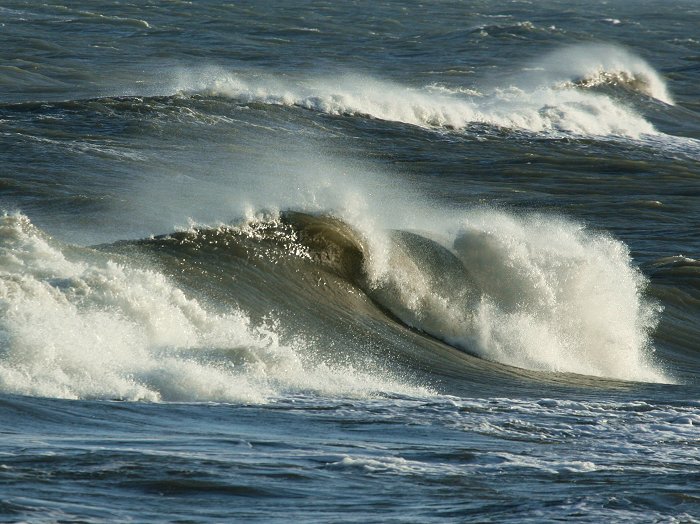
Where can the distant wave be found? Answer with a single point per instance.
(583, 90)
(593, 65)
(552, 96)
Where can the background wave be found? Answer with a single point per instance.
(551, 96)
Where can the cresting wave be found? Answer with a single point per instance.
(534, 293)
(75, 323)
(550, 96)
(537, 294)
(594, 65)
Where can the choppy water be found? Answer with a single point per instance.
(333, 262)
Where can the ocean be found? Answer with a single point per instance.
(350, 261)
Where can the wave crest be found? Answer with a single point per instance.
(548, 105)
(594, 65)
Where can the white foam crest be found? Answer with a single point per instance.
(594, 64)
(539, 108)
(75, 324)
(540, 293)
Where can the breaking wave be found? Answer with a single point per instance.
(75, 323)
(595, 65)
(552, 96)
(167, 318)
(534, 293)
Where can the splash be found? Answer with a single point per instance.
(532, 292)
(535, 293)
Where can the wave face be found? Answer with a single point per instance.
(552, 96)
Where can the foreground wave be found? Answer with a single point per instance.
(247, 312)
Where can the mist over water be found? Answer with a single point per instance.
(272, 263)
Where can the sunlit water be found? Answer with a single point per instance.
(397, 262)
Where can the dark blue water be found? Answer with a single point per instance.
(352, 263)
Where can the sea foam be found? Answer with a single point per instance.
(535, 292)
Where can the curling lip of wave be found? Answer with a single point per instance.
(533, 293)
(592, 65)
(536, 294)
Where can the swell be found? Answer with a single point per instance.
(173, 106)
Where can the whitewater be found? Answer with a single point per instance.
(397, 262)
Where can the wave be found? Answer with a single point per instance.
(543, 110)
(76, 323)
(584, 90)
(191, 316)
(68, 15)
(594, 65)
(552, 97)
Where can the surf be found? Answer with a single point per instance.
(79, 324)
(553, 95)
(86, 323)
(534, 293)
